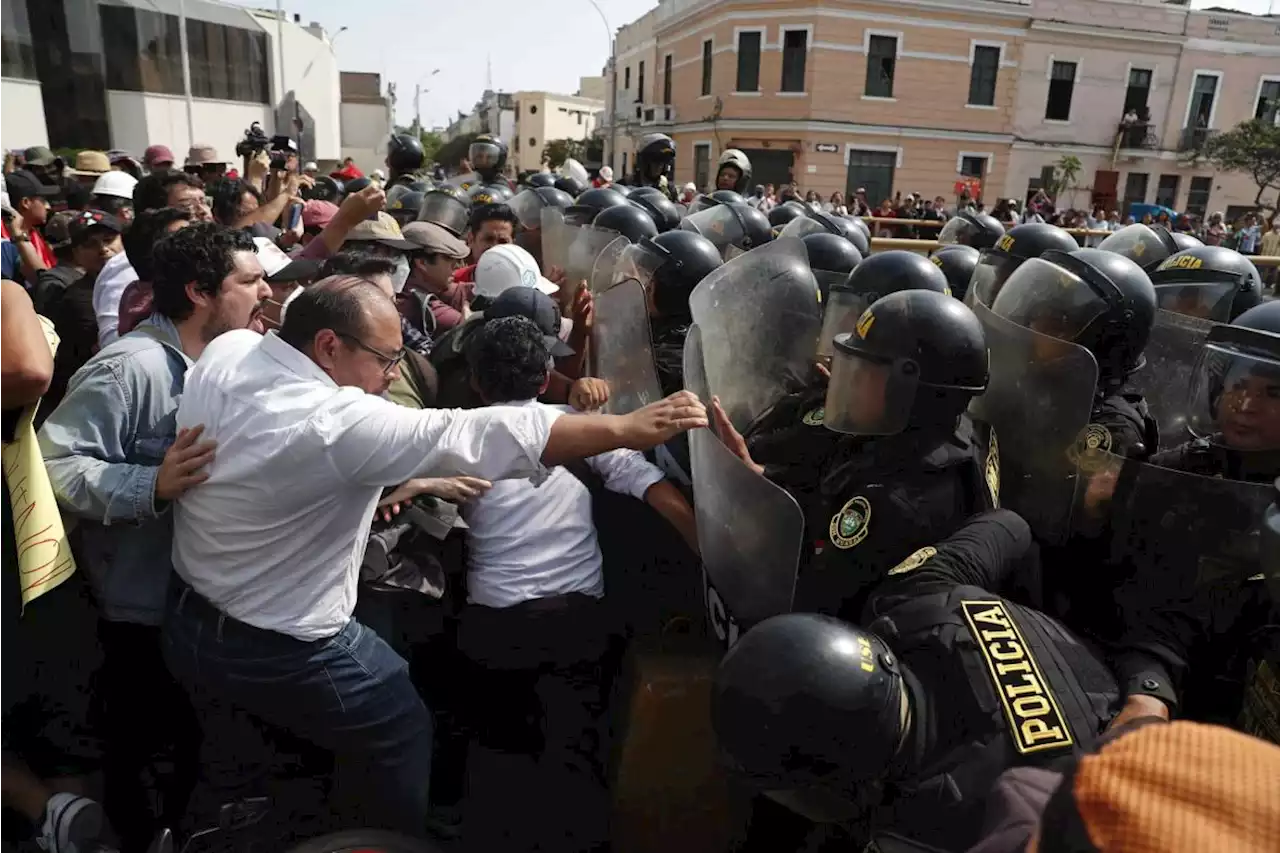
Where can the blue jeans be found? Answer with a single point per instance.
(349, 694)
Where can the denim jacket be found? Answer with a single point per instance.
(102, 447)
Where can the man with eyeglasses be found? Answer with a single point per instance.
(268, 549)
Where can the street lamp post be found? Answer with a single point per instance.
(611, 97)
(417, 99)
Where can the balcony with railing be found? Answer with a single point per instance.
(657, 114)
(1193, 138)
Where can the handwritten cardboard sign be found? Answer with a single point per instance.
(44, 556)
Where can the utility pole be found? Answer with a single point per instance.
(417, 101)
(611, 97)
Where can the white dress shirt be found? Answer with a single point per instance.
(108, 287)
(276, 535)
(534, 541)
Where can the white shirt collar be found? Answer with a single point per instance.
(293, 359)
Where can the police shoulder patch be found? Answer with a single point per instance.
(814, 417)
(992, 468)
(1094, 437)
(1036, 723)
(915, 561)
(850, 525)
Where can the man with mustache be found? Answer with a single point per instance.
(116, 462)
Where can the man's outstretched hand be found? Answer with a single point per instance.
(731, 437)
(658, 422)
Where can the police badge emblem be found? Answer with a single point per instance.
(992, 468)
(814, 417)
(850, 525)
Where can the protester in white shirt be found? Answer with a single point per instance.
(536, 624)
(269, 547)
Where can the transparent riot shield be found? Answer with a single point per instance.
(608, 268)
(750, 531)
(586, 244)
(840, 313)
(622, 349)
(1171, 353)
(759, 318)
(1039, 399)
(556, 237)
(801, 226)
(1138, 243)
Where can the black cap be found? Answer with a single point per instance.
(535, 305)
(23, 183)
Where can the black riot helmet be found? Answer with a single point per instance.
(629, 220)
(354, 186)
(733, 171)
(621, 188)
(589, 203)
(979, 230)
(443, 207)
(783, 214)
(490, 193)
(405, 154)
(661, 210)
(541, 179)
(529, 203)
(877, 276)
(488, 156)
(831, 258)
(734, 227)
(673, 263)
(1145, 245)
(655, 157)
(326, 189)
(405, 208)
(957, 263)
(1210, 282)
(1098, 300)
(1263, 318)
(1023, 242)
(810, 709)
(1185, 241)
(571, 185)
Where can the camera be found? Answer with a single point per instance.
(282, 148)
(255, 140)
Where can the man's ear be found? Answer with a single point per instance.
(324, 349)
(198, 298)
(546, 383)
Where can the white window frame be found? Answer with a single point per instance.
(1075, 81)
(850, 147)
(974, 44)
(866, 52)
(1217, 96)
(989, 156)
(764, 45)
(808, 49)
(1262, 81)
(702, 48)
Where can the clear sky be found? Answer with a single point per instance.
(528, 44)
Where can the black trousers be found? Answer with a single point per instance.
(152, 735)
(542, 673)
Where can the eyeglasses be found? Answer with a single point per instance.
(389, 361)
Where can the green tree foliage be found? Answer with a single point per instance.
(1252, 147)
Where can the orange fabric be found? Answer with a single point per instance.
(1181, 788)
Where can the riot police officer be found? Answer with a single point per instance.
(957, 263)
(816, 221)
(979, 230)
(1145, 245)
(1023, 242)
(489, 193)
(715, 197)
(781, 215)
(887, 463)
(488, 157)
(1209, 282)
(570, 185)
(733, 172)
(589, 203)
(655, 159)
(540, 179)
(448, 207)
(734, 227)
(404, 158)
(902, 726)
(406, 206)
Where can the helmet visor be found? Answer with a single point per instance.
(719, 224)
(957, 230)
(868, 395)
(527, 206)
(702, 202)
(1048, 300)
(840, 315)
(1235, 392)
(800, 226)
(446, 211)
(484, 155)
(1206, 300)
(1138, 243)
(639, 261)
(989, 276)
